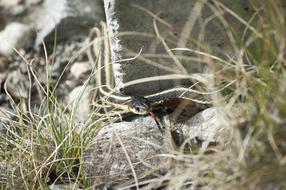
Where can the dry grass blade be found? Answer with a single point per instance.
(128, 159)
(152, 15)
(192, 19)
(176, 61)
(203, 78)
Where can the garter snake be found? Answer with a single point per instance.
(115, 103)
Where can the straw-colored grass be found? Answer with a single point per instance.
(36, 147)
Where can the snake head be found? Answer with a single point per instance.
(139, 105)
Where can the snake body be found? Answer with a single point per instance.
(110, 99)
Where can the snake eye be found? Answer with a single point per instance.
(137, 109)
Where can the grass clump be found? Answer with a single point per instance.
(43, 147)
(264, 154)
(255, 159)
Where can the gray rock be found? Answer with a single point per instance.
(210, 125)
(17, 10)
(15, 35)
(3, 167)
(64, 187)
(17, 85)
(122, 149)
(139, 143)
(3, 68)
(9, 3)
(32, 2)
(180, 23)
(79, 100)
(78, 69)
(71, 18)
(6, 116)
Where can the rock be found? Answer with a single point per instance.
(210, 125)
(32, 2)
(17, 85)
(9, 3)
(70, 18)
(15, 35)
(17, 10)
(64, 187)
(121, 146)
(139, 143)
(3, 167)
(78, 69)
(6, 116)
(145, 121)
(3, 68)
(180, 23)
(80, 96)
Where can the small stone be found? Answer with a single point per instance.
(80, 97)
(15, 35)
(17, 85)
(209, 125)
(64, 186)
(17, 10)
(6, 115)
(69, 17)
(33, 2)
(9, 3)
(78, 69)
(3, 68)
